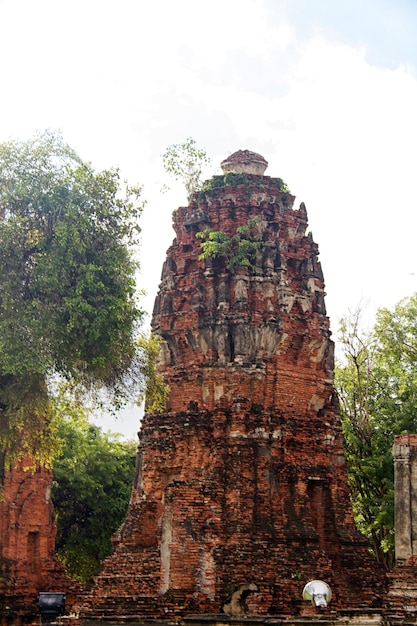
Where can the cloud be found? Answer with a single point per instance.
(124, 80)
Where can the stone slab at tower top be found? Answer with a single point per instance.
(245, 162)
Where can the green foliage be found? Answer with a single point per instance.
(67, 287)
(222, 180)
(283, 186)
(397, 332)
(27, 420)
(234, 179)
(156, 391)
(377, 385)
(93, 480)
(367, 443)
(239, 249)
(185, 162)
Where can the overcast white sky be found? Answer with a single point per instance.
(325, 90)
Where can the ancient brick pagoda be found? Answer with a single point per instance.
(241, 483)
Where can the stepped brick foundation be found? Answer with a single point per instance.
(242, 480)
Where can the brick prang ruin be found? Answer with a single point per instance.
(242, 479)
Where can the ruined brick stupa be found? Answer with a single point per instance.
(242, 480)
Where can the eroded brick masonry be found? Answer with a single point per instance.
(27, 543)
(242, 480)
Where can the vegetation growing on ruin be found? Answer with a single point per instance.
(233, 179)
(240, 249)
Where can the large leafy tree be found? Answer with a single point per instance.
(68, 303)
(377, 384)
(93, 478)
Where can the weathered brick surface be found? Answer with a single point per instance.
(243, 478)
(402, 596)
(27, 542)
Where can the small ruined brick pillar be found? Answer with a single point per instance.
(28, 563)
(402, 594)
(405, 488)
(241, 483)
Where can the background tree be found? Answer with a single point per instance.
(185, 162)
(93, 479)
(155, 390)
(67, 285)
(367, 442)
(377, 386)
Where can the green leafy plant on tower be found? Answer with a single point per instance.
(240, 249)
